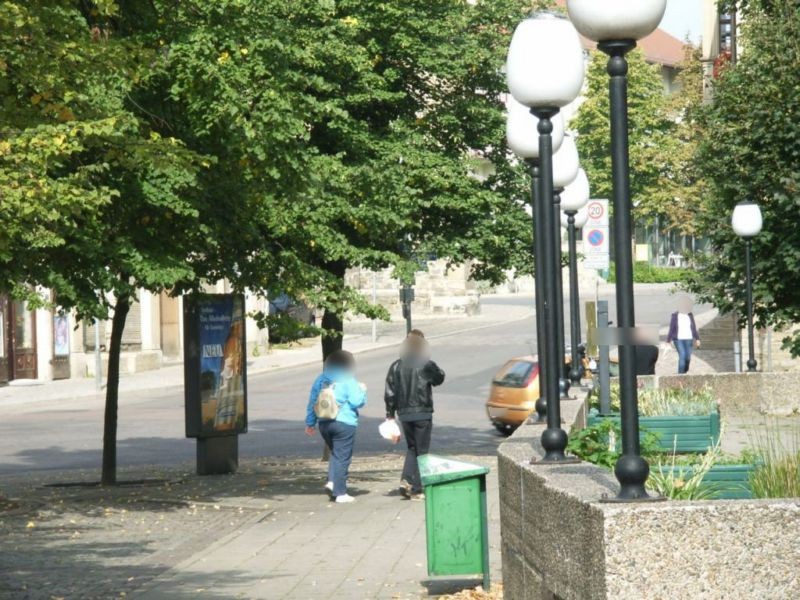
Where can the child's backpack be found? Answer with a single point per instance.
(326, 408)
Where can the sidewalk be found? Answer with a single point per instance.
(357, 339)
(268, 532)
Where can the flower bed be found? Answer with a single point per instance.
(682, 420)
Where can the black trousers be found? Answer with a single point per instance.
(418, 439)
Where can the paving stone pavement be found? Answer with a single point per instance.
(268, 532)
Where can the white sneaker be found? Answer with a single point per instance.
(329, 486)
(345, 498)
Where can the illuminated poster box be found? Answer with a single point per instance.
(215, 365)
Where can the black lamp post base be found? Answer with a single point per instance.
(576, 376)
(631, 496)
(632, 472)
(556, 460)
(541, 410)
(752, 365)
(564, 386)
(554, 440)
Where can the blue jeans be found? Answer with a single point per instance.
(684, 348)
(340, 439)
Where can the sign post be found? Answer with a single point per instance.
(596, 247)
(215, 379)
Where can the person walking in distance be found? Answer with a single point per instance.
(409, 398)
(683, 333)
(333, 404)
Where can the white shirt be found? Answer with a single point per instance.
(684, 327)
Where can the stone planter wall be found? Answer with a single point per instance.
(741, 394)
(560, 542)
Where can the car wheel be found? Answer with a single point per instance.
(504, 429)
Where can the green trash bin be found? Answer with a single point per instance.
(456, 519)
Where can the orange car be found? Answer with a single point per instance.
(514, 391)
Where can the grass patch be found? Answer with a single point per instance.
(778, 474)
(663, 402)
(644, 272)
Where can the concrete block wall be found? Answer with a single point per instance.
(561, 542)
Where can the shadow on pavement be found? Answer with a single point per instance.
(268, 439)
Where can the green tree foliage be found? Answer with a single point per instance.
(161, 144)
(96, 203)
(652, 131)
(682, 179)
(341, 130)
(751, 150)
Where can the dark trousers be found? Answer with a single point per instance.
(418, 438)
(684, 348)
(340, 439)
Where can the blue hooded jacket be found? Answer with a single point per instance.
(349, 396)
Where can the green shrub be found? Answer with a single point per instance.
(600, 444)
(644, 272)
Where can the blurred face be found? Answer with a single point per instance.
(415, 346)
(685, 304)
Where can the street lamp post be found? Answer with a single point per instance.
(747, 222)
(616, 25)
(545, 72)
(565, 170)
(522, 137)
(573, 201)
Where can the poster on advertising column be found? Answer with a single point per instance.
(215, 365)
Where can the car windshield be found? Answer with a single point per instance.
(514, 374)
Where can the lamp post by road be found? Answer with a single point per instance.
(747, 222)
(565, 170)
(523, 140)
(545, 72)
(616, 25)
(573, 201)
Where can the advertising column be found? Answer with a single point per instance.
(215, 378)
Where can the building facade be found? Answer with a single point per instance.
(47, 344)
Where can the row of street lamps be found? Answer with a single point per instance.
(545, 71)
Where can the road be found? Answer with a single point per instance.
(151, 430)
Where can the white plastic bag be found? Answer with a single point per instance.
(389, 430)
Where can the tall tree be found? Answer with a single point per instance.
(96, 203)
(345, 129)
(682, 180)
(751, 150)
(652, 127)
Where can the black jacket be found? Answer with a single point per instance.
(646, 358)
(409, 387)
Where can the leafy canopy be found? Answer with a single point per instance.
(651, 136)
(751, 150)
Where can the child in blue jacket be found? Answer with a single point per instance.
(340, 433)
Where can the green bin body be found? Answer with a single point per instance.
(456, 519)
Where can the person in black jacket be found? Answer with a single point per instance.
(409, 397)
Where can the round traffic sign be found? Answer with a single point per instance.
(595, 210)
(596, 237)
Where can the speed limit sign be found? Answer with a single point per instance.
(598, 213)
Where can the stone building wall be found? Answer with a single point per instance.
(438, 290)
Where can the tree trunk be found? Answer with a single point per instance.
(331, 342)
(333, 320)
(121, 309)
